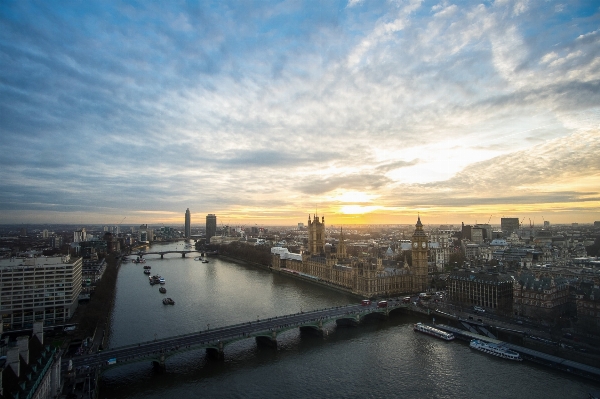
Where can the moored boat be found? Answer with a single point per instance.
(168, 301)
(496, 350)
(436, 332)
(162, 290)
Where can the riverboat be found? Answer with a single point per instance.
(424, 328)
(168, 301)
(496, 350)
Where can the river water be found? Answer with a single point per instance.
(383, 360)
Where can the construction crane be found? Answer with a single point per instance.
(118, 225)
(490, 219)
(521, 224)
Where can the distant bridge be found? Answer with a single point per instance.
(215, 340)
(163, 253)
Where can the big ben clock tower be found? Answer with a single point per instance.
(420, 247)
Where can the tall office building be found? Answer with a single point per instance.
(211, 226)
(188, 224)
(508, 225)
(143, 234)
(39, 289)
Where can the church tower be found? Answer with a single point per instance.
(316, 235)
(420, 247)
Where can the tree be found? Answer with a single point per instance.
(456, 259)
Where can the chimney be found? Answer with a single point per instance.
(23, 345)
(12, 360)
(38, 331)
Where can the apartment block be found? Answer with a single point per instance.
(38, 289)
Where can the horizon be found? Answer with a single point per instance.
(367, 112)
(295, 225)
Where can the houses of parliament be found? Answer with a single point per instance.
(366, 276)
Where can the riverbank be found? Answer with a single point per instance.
(295, 276)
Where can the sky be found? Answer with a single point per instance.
(266, 112)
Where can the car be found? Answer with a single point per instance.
(519, 322)
(478, 309)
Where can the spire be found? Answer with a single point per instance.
(419, 228)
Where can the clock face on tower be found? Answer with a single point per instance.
(423, 244)
(415, 244)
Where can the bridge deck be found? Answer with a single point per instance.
(225, 335)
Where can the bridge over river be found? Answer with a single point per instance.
(216, 340)
(163, 253)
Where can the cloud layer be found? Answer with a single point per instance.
(262, 111)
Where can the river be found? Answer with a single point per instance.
(383, 360)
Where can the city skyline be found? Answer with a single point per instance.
(365, 112)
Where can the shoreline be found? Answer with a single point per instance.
(297, 277)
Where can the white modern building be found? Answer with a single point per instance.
(38, 289)
(79, 236)
(439, 248)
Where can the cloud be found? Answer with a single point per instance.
(109, 107)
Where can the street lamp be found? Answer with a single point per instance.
(208, 326)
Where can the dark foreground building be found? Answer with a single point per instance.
(491, 291)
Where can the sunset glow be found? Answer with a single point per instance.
(266, 112)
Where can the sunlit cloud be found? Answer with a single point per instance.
(263, 112)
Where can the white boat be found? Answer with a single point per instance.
(161, 280)
(424, 328)
(496, 350)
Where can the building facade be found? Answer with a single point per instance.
(188, 223)
(509, 225)
(540, 298)
(439, 249)
(39, 289)
(211, 226)
(32, 369)
(363, 275)
(491, 291)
